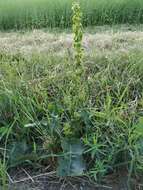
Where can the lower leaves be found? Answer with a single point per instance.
(71, 162)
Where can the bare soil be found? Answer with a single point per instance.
(23, 179)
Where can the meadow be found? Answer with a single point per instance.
(44, 104)
(18, 14)
(71, 104)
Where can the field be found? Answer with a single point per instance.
(18, 14)
(42, 103)
(71, 109)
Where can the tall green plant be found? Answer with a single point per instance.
(78, 32)
(71, 163)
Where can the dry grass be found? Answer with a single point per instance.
(38, 41)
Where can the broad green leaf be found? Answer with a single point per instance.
(72, 163)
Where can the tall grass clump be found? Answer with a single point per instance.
(45, 112)
(30, 14)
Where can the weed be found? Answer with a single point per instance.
(78, 33)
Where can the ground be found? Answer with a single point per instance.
(101, 42)
(49, 181)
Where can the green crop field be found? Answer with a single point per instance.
(16, 14)
(71, 94)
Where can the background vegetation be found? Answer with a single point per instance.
(17, 14)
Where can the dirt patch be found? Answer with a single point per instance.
(23, 179)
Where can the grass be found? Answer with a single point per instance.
(42, 103)
(3, 176)
(79, 115)
(105, 41)
(19, 14)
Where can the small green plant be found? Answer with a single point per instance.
(78, 33)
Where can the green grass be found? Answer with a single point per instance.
(18, 14)
(42, 103)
